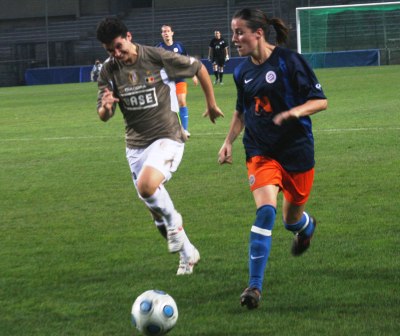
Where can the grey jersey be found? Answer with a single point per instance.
(146, 92)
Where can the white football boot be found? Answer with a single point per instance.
(186, 265)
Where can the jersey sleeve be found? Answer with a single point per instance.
(182, 49)
(304, 79)
(105, 81)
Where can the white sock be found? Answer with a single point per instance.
(187, 248)
(161, 203)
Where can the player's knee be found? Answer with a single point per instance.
(146, 188)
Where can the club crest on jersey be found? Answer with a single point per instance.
(252, 180)
(133, 77)
(270, 77)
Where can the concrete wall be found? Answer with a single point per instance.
(36, 8)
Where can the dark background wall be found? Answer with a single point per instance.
(49, 33)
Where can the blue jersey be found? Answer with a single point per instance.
(283, 81)
(176, 47)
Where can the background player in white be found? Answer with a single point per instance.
(94, 74)
(140, 80)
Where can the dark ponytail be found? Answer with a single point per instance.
(256, 18)
(282, 31)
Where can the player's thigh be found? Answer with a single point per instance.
(296, 190)
(181, 92)
(163, 155)
(181, 88)
(265, 179)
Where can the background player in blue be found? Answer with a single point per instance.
(181, 86)
(277, 91)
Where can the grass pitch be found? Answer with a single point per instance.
(77, 246)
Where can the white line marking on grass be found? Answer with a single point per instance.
(62, 138)
(329, 130)
(361, 129)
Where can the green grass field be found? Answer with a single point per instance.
(77, 246)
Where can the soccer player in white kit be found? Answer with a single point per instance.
(140, 79)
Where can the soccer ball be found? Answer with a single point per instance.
(154, 313)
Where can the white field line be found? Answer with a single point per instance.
(330, 130)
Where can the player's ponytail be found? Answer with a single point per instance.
(256, 18)
(282, 31)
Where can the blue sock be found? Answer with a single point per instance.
(260, 244)
(184, 115)
(304, 226)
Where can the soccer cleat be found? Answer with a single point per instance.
(186, 265)
(215, 82)
(221, 83)
(250, 297)
(302, 243)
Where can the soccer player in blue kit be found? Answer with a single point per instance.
(277, 91)
(181, 86)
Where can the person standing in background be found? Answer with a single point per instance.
(94, 74)
(168, 43)
(218, 54)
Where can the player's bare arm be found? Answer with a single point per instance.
(308, 108)
(212, 111)
(237, 125)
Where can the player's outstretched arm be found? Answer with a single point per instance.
(237, 125)
(212, 111)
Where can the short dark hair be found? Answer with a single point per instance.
(167, 25)
(110, 28)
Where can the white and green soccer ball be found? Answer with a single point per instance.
(154, 313)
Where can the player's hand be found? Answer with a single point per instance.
(195, 80)
(225, 154)
(213, 113)
(282, 117)
(210, 60)
(108, 100)
(226, 58)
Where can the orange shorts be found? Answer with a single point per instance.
(296, 187)
(181, 88)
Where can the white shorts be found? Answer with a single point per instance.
(164, 155)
